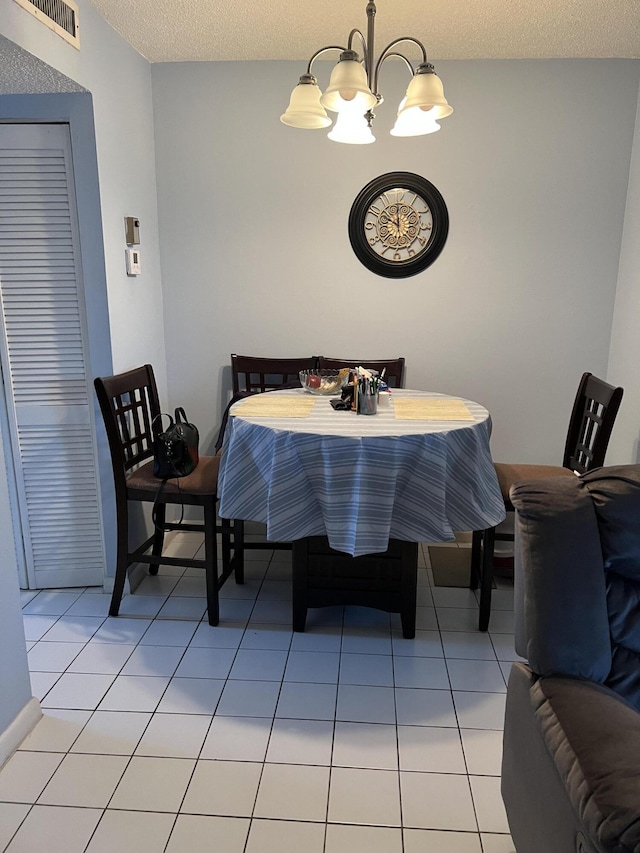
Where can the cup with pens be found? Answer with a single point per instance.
(366, 385)
(360, 394)
(367, 397)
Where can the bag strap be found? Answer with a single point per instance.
(181, 416)
(154, 511)
(157, 427)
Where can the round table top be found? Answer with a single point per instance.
(326, 421)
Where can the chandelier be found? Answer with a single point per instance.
(353, 92)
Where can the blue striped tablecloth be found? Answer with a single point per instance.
(360, 480)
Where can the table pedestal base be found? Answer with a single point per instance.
(323, 577)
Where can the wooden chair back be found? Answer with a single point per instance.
(255, 374)
(594, 413)
(393, 367)
(129, 403)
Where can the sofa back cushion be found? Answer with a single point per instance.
(577, 579)
(615, 493)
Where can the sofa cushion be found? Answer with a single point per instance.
(593, 736)
(202, 481)
(615, 492)
(509, 473)
(623, 602)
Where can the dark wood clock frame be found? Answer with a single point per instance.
(439, 231)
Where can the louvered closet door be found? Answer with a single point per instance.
(44, 358)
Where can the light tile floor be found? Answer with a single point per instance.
(162, 734)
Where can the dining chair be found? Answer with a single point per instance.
(592, 418)
(253, 373)
(129, 403)
(393, 367)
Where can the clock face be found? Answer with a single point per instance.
(398, 224)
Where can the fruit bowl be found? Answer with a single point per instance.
(323, 382)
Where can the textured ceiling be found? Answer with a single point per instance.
(201, 30)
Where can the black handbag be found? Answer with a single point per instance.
(175, 450)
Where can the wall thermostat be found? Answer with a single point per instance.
(132, 230)
(133, 261)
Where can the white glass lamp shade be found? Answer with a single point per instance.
(348, 88)
(351, 127)
(426, 92)
(305, 109)
(414, 122)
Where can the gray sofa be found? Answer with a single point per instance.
(571, 759)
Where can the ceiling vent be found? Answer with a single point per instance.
(61, 16)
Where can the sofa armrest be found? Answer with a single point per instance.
(570, 765)
(540, 814)
(593, 736)
(562, 624)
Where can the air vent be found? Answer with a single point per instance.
(61, 16)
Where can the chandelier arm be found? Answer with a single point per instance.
(387, 52)
(404, 59)
(363, 42)
(321, 51)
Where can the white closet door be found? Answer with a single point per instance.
(47, 379)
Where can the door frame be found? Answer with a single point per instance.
(12, 488)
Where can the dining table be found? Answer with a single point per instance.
(356, 493)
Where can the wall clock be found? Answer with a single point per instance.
(398, 224)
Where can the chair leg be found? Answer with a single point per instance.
(233, 531)
(408, 589)
(300, 560)
(158, 536)
(122, 559)
(225, 527)
(476, 559)
(238, 549)
(211, 562)
(486, 580)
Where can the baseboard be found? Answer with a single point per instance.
(16, 732)
(137, 572)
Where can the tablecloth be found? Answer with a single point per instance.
(358, 479)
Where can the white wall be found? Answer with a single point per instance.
(256, 257)
(625, 340)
